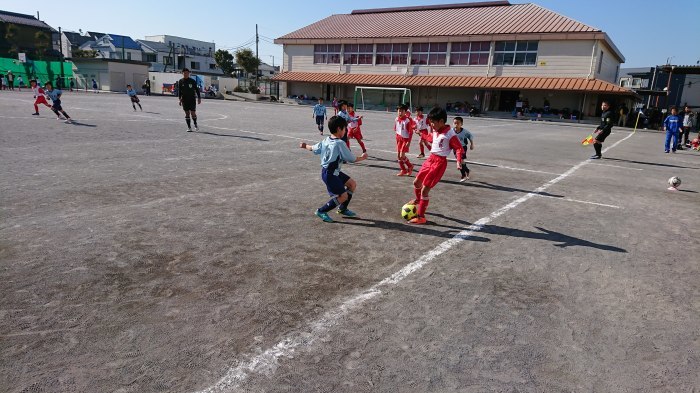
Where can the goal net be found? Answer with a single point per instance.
(381, 98)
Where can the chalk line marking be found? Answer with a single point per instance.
(617, 166)
(266, 362)
(580, 201)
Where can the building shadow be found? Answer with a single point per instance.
(561, 240)
(650, 163)
(233, 136)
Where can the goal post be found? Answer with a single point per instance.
(381, 98)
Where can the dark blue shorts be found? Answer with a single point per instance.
(56, 104)
(334, 184)
(319, 120)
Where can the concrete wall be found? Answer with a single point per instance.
(691, 94)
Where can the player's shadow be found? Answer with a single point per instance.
(496, 187)
(77, 123)
(651, 163)
(561, 240)
(233, 136)
(152, 113)
(409, 228)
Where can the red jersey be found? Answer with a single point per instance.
(421, 122)
(444, 141)
(354, 124)
(404, 126)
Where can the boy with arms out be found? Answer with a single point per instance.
(444, 140)
(55, 96)
(467, 141)
(39, 95)
(354, 130)
(404, 126)
(672, 126)
(422, 131)
(134, 98)
(333, 152)
(320, 114)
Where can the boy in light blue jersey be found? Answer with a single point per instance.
(333, 152)
(320, 115)
(672, 126)
(343, 112)
(134, 98)
(467, 140)
(55, 96)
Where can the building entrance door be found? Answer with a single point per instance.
(507, 100)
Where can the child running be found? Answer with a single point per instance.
(467, 140)
(55, 96)
(39, 95)
(403, 127)
(134, 98)
(333, 152)
(422, 131)
(343, 112)
(354, 130)
(443, 141)
(320, 114)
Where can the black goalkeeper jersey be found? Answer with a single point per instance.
(187, 89)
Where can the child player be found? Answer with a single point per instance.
(354, 130)
(443, 140)
(343, 112)
(422, 131)
(467, 141)
(320, 115)
(333, 152)
(39, 95)
(55, 96)
(403, 127)
(672, 126)
(134, 98)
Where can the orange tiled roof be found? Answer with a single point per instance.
(479, 82)
(455, 20)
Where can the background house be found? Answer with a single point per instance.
(179, 52)
(23, 33)
(113, 46)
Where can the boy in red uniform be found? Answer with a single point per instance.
(444, 140)
(403, 127)
(422, 131)
(39, 95)
(354, 130)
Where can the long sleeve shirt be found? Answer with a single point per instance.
(333, 152)
(320, 110)
(606, 122)
(672, 123)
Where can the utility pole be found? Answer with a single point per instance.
(60, 43)
(257, 69)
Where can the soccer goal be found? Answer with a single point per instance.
(381, 98)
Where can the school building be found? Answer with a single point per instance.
(491, 55)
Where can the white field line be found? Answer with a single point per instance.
(617, 166)
(266, 362)
(580, 201)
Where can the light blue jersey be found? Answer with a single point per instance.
(319, 110)
(54, 95)
(347, 117)
(464, 136)
(131, 92)
(333, 151)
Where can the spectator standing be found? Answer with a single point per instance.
(623, 112)
(10, 80)
(687, 125)
(147, 83)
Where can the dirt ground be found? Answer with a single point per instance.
(136, 257)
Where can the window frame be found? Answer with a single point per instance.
(470, 52)
(513, 50)
(356, 50)
(327, 54)
(392, 54)
(424, 53)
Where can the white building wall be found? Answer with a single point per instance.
(608, 69)
(691, 94)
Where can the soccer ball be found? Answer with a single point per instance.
(408, 211)
(674, 182)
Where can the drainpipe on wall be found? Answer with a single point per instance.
(595, 50)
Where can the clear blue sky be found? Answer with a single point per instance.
(646, 31)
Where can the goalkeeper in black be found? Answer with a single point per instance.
(187, 89)
(603, 130)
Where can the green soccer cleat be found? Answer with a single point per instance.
(347, 213)
(324, 216)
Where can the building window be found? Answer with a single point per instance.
(396, 54)
(624, 82)
(470, 53)
(429, 53)
(128, 55)
(212, 66)
(327, 54)
(515, 53)
(167, 60)
(637, 83)
(358, 54)
(194, 65)
(600, 62)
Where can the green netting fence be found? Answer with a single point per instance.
(43, 71)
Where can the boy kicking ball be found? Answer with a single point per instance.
(333, 152)
(443, 141)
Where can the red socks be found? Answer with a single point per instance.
(417, 191)
(423, 206)
(362, 145)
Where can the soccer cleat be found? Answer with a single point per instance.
(324, 216)
(402, 173)
(189, 129)
(196, 128)
(35, 114)
(69, 121)
(134, 109)
(667, 151)
(595, 157)
(420, 156)
(409, 172)
(465, 178)
(347, 213)
(418, 220)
